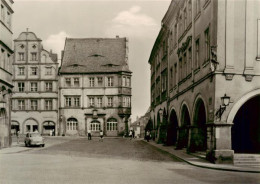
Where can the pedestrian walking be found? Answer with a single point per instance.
(89, 134)
(53, 132)
(130, 134)
(50, 132)
(101, 135)
(148, 135)
(18, 136)
(133, 134)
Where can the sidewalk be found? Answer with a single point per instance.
(200, 162)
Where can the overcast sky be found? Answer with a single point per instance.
(139, 20)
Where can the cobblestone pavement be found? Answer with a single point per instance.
(109, 148)
(114, 161)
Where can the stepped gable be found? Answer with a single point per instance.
(93, 55)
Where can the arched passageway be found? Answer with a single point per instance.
(198, 140)
(246, 128)
(172, 129)
(184, 129)
(31, 125)
(15, 127)
(48, 128)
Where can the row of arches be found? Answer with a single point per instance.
(191, 131)
(31, 125)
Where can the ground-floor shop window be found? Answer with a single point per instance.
(112, 124)
(95, 126)
(72, 124)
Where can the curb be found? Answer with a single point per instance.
(203, 166)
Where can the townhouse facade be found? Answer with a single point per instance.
(94, 87)
(35, 80)
(211, 53)
(6, 86)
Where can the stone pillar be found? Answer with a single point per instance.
(126, 125)
(222, 152)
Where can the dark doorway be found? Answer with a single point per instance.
(246, 128)
(199, 131)
(172, 129)
(184, 129)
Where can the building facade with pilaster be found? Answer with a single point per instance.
(6, 59)
(213, 96)
(94, 87)
(35, 80)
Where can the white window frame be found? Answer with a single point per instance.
(48, 86)
(21, 104)
(34, 86)
(48, 104)
(110, 81)
(21, 86)
(21, 70)
(110, 101)
(34, 105)
(91, 81)
(34, 71)
(99, 101)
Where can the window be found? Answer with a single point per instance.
(8, 19)
(100, 81)
(21, 104)
(126, 102)
(48, 104)
(197, 6)
(34, 56)
(197, 52)
(21, 86)
(180, 69)
(48, 86)
(72, 124)
(189, 60)
(110, 101)
(76, 102)
(91, 101)
(175, 74)
(21, 56)
(34, 105)
(123, 81)
(33, 70)
(2, 13)
(48, 71)
(175, 34)
(21, 71)
(112, 124)
(67, 81)
(207, 44)
(128, 84)
(189, 12)
(91, 81)
(99, 101)
(110, 81)
(2, 64)
(68, 102)
(95, 126)
(171, 77)
(184, 65)
(185, 19)
(76, 82)
(34, 87)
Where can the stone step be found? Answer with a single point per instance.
(247, 160)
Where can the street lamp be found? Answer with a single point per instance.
(225, 100)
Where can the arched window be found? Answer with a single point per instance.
(72, 124)
(112, 124)
(95, 125)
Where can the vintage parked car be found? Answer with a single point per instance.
(34, 138)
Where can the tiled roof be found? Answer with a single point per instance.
(92, 55)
